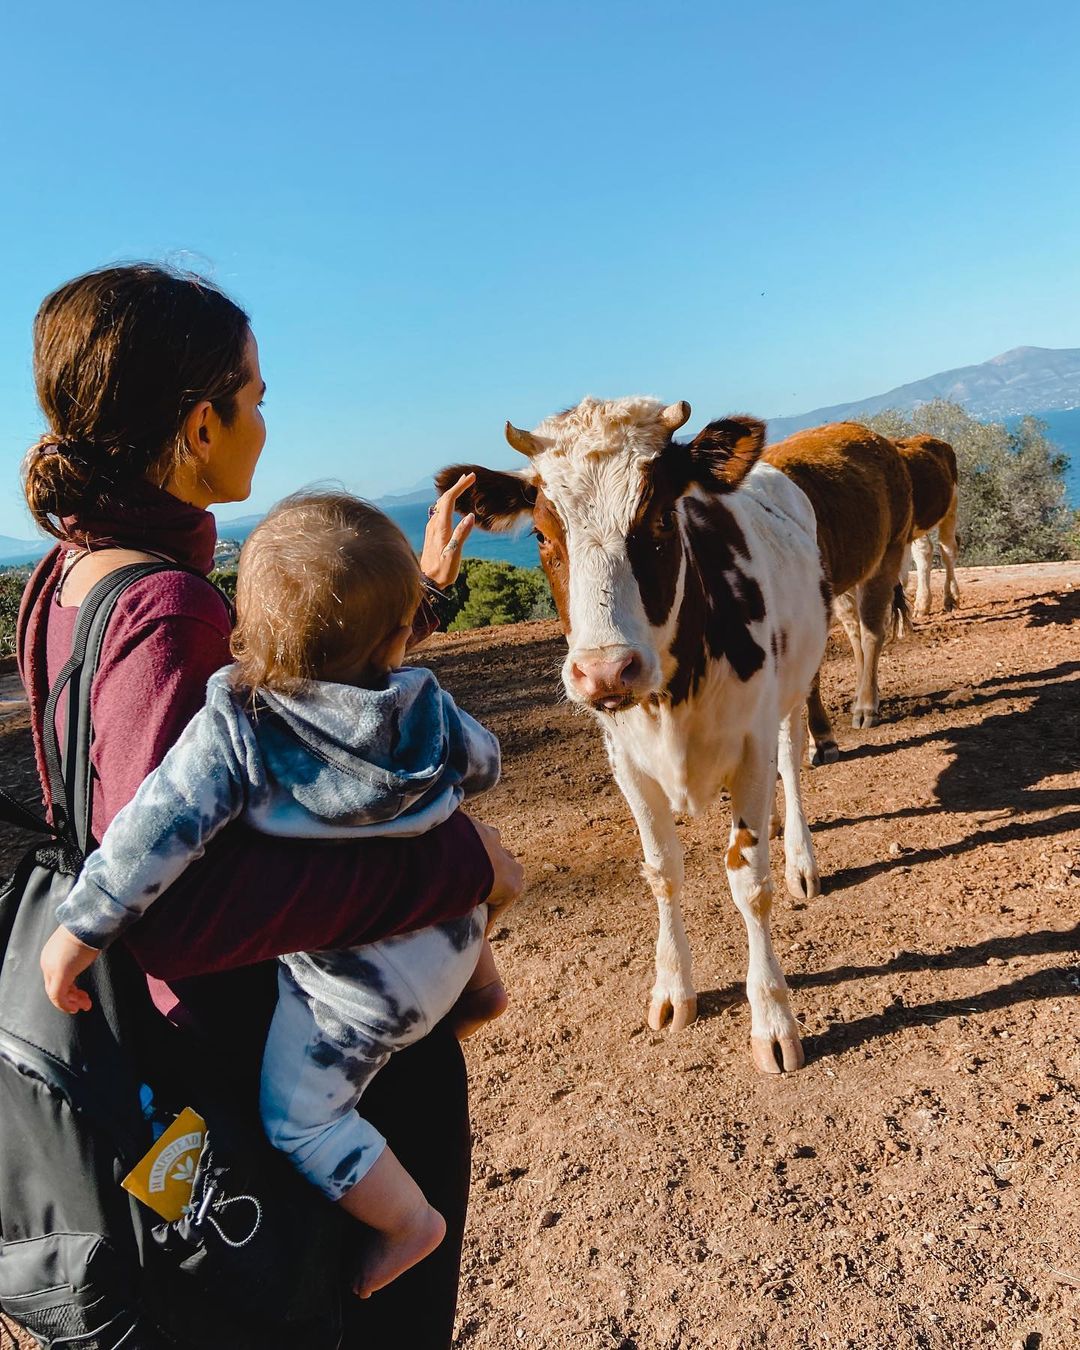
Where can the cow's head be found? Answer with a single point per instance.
(613, 501)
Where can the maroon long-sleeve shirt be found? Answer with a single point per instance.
(251, 897)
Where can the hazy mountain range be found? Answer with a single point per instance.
(1044, 381)
(1025, 380)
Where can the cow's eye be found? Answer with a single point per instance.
(540, 538)
(665, 522)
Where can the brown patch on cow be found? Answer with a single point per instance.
(720, 600)
(932, 466)
(744, 839)
(860, 492)
(653, 543)
(554, 559)
(718, 459)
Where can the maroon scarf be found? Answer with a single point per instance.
(151, 520)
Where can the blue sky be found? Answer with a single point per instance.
(444, 215)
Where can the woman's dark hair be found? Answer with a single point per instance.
(121, 356)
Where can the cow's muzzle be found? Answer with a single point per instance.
(608, 678)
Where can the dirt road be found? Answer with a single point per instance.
(916, 1186)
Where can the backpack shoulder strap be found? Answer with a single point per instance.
(70, 770)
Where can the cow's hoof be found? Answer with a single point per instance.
(951, 603)
(862, 718)
(802, 882)
(783, 1054)
(682, 1012)
(825, 752)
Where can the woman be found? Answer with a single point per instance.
(150, 383)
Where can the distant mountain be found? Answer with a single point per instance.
(1041, 381)
(1025, 380)
(14, 551)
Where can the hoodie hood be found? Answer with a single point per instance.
(356, 756)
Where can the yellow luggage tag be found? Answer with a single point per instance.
(163, 1178)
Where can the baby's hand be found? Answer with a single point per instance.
(63, 960)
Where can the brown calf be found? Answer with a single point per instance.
(932, 466)
(861, 495)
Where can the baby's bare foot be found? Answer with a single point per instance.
(477, 1006)
(389, 1255)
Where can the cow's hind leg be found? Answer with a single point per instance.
(823, 747)
(947, 540)
(673, 990)
(922, 550)
(774, 1033)
(874, 598)
(800, 868)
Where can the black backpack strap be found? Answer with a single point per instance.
(69, 769)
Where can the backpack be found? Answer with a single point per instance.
(82, 1262)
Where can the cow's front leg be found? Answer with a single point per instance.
(774, 1033)
(673, 991)
(800, 868)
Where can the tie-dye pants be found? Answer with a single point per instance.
(340, 1016)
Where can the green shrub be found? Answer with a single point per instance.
(224, 578)
(489, 593)
(1012, 484)
(11, 588)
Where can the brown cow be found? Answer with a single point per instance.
(932, 466)
(861, 495)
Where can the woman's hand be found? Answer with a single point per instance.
(440, 561)
(509, 874)
(63, 960)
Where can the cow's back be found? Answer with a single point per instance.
(860, 492)
(932, 466)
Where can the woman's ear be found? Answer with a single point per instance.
(198, 430)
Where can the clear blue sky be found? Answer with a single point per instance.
(442, 215)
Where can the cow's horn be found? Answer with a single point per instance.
(675, 415)
(524, 441)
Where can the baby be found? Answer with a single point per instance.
(316, 732)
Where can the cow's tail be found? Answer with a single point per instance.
(902, 625)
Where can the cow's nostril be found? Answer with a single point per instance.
(631, 670)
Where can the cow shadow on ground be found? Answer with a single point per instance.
(1040, 611)
(1054, 982)
(1022, 685)
(996, 767)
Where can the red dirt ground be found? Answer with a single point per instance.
(915, 1187)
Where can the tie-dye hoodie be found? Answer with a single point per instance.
(331, 761)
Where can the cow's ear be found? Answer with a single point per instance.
(725, 451)
(499, 500)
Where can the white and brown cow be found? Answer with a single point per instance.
(861, 495)
(690, 587)
(931, 465)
